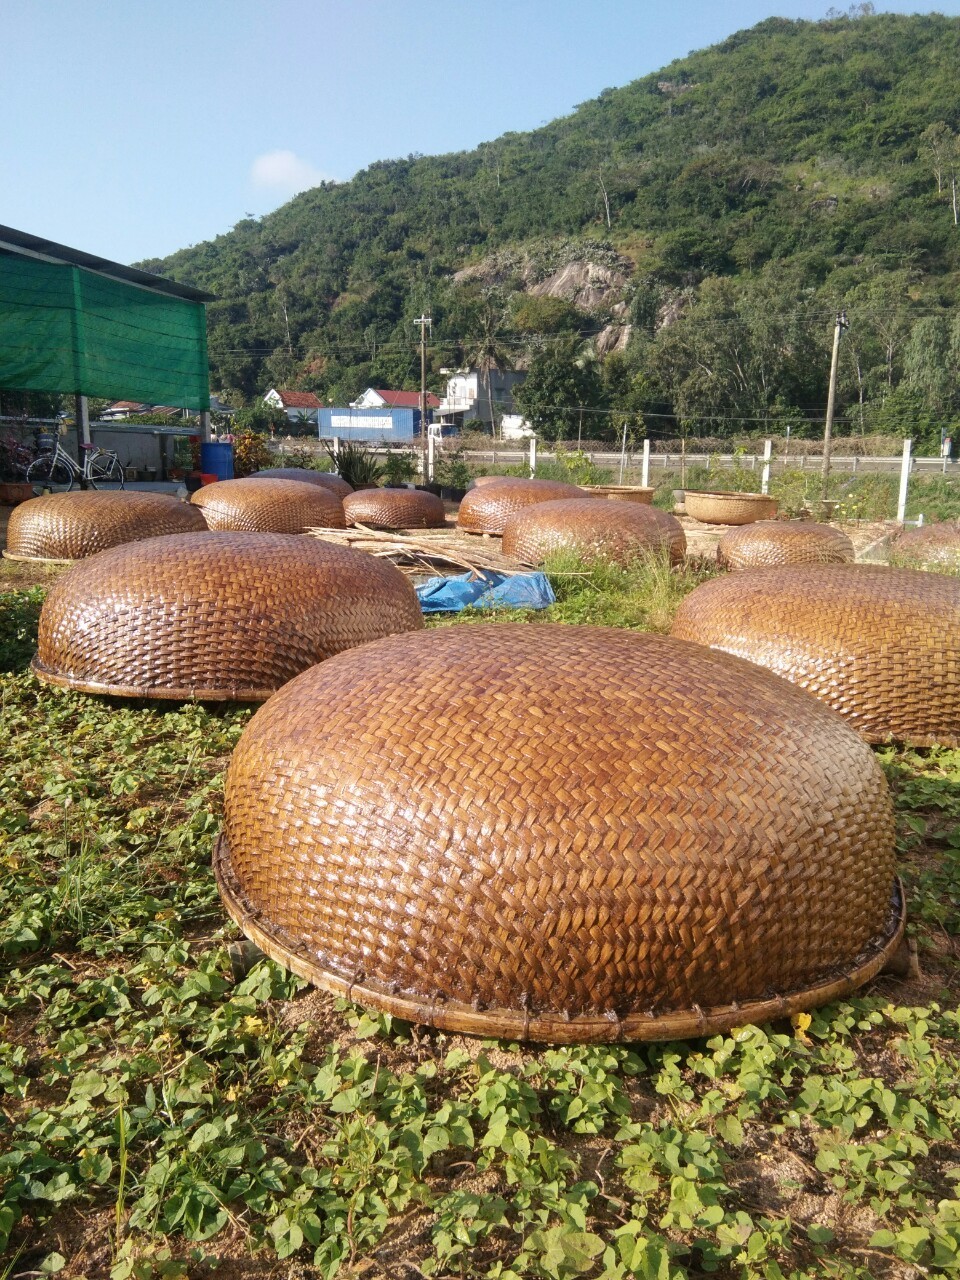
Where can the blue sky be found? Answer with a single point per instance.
(135, 127)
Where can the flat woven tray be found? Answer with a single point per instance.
(728, 508)
(882, 646)
(395, 509)
(496, 843)
(486, 510)
(268, 506)
(592, 527)
(60, 527)
(326, 479)
(769, 543)
(214, 616)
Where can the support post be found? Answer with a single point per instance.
(82, 417)
(424, 322)
(904, 479)
(623, 452)
(533, 456)
(431, 454)
(645, 473)
(831, 400)
(765, 476)
(336, 446)
(205, 425)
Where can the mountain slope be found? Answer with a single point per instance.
(794, 148)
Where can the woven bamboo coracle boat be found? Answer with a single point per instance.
(459, 828)
(880, 645)
(215, 615)
(395, 509)
(768, 543)
(593, 528)
(268, 506)
(71, 526)
(326, 479)
(932, 546)
(729, 508)
(487, 509)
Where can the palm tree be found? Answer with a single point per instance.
(486, 348)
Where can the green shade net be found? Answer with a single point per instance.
(66, 329)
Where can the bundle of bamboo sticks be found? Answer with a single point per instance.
(428, 550)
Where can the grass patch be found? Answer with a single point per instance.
(160, 1118)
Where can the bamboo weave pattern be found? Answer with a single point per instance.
(486, 510)
(268, 506)
(71, 526)
(215, 615)
(326, 479)
(768, 543)
(591, 527)
(880, 645)
(457, 827)
(395, 509)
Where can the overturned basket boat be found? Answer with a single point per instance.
(486, 510)
(622, 492)
(768, 543)
(395, 509)
(214, 615)
(880, 645)
(492, 844)
(593, 528)
(268, 506)
(728, 508)
(70, 526)
(325, 479)
(932, 546)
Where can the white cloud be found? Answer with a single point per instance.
(286, 172)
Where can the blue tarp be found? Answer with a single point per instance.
(489, 591)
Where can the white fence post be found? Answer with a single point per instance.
(533, 456)
(765, 478)
(645, 474)
(431, 452)
(904, 478)
(336, 446)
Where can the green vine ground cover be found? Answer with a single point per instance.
(161, 1118)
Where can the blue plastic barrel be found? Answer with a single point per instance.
(216, 459)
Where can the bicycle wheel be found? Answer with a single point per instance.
(49, 472)
(105, 469)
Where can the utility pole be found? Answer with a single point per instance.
(831, 399)
(425, 323)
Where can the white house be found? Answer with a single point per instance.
(297, 405)
(466, 396)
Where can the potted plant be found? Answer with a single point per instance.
(454, 475)
(399, 469)
(355, 464)
(15, 457)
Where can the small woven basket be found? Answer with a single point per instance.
(622, 492)
(880, 645)
(70, 526)
(486, 510)
(269, 506)
(326, 479)
(593, 528)
(729, 508)
(679, 844)
(768, 543)
(932, 546)
(215, 615)
(395, 509)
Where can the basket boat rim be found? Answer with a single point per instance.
(175, 693)
(554, 1028)
(12, 555)
(729, 493)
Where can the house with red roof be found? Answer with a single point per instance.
(383, 398)
(299, 406)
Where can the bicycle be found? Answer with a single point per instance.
(55, 468)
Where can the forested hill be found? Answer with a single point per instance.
(706, 220)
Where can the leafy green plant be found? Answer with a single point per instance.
(399, 468)
(355, 464)
(452, 470)
(251, 453)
